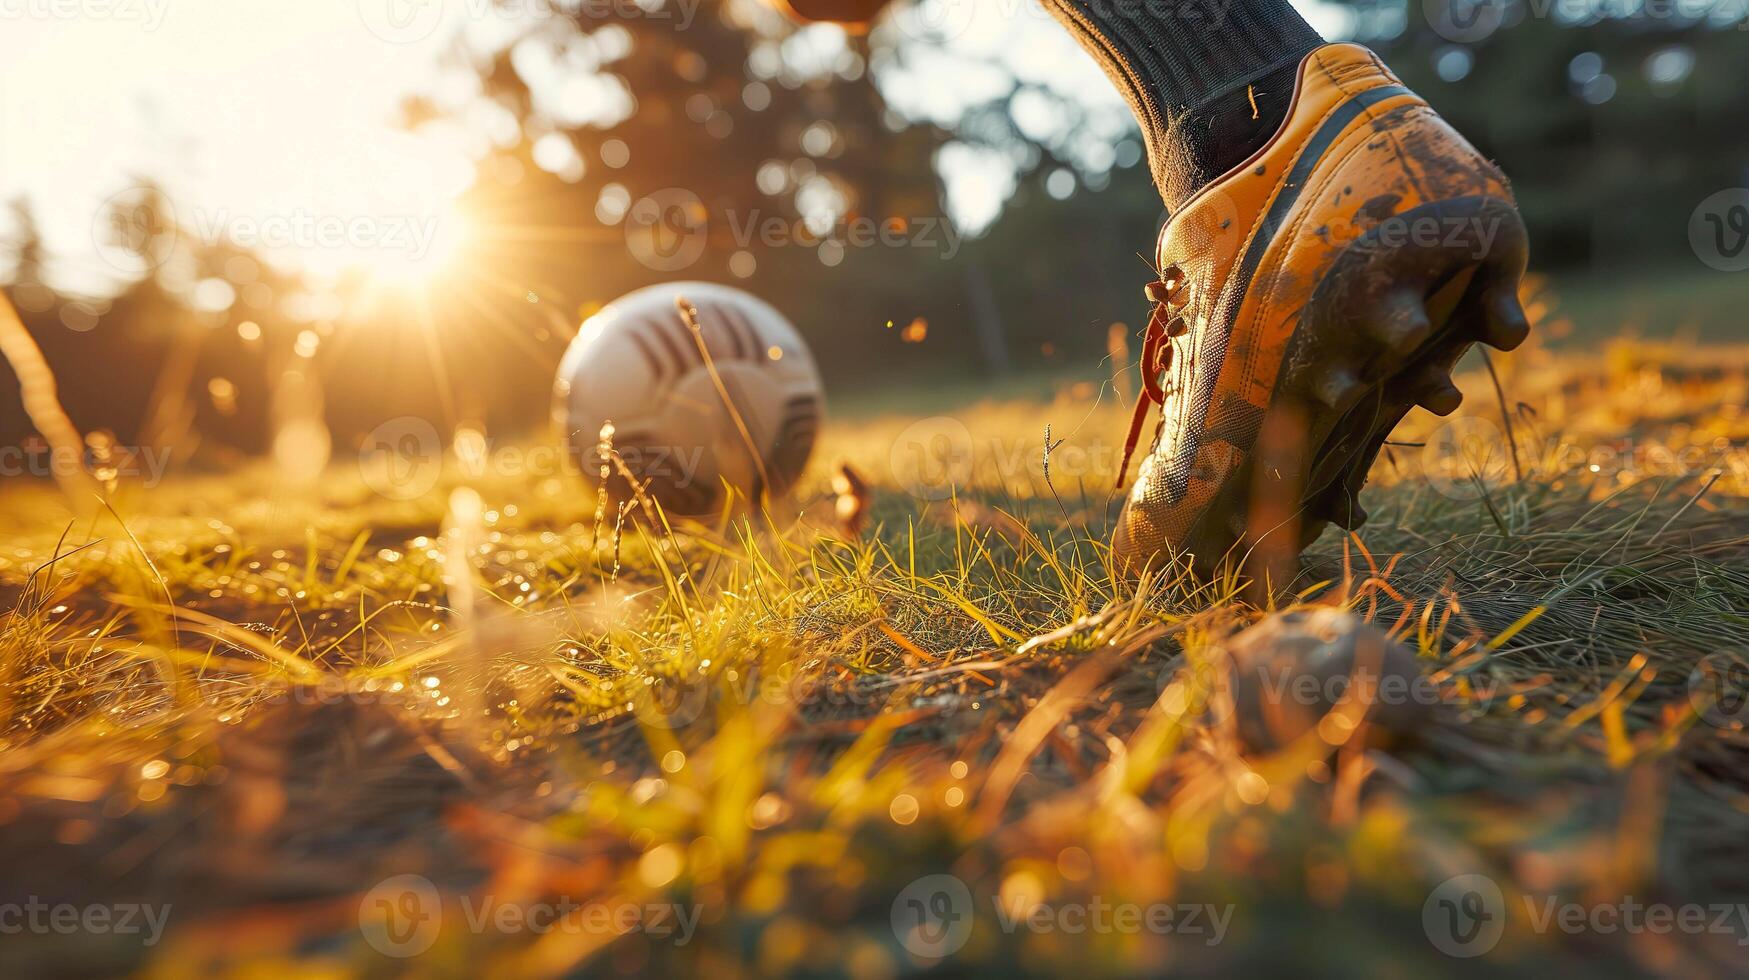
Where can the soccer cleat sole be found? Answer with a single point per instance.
(1383, 331)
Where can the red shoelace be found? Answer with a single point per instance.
(1165, 323)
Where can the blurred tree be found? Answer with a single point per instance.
(612, 148)
(1612, 129)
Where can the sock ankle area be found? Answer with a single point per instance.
(1189, 70)
(1207, 141)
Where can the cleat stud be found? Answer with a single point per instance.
(1506, 326)
(1435, 392)
(1346, 514)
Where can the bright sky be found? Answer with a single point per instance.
(1021, 36)
(266, 120)
(270, 121)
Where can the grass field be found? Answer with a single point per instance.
(316, 729)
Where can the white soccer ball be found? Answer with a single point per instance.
(637, 365)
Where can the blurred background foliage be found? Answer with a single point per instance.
(1614, 123)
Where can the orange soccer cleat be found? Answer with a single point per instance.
(1307, 299)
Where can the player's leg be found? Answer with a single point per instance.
(1333, 248)
(1209, 80)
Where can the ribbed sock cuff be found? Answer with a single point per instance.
(1171, 58)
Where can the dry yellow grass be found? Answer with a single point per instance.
(258, 704)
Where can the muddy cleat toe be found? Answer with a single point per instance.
(1322, 288)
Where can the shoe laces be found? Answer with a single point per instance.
(1169, 296)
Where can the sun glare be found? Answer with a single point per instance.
(259, 141)
(434, 245)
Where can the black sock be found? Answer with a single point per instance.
(1209, 84)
